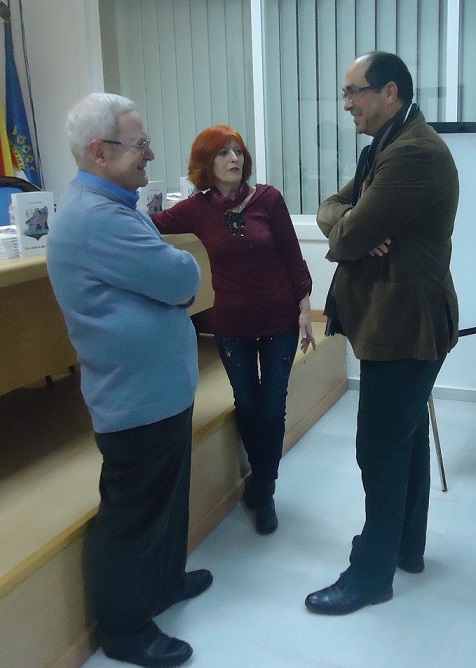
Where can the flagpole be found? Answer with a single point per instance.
(4, 12)
(23, 155)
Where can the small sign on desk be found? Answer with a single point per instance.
(30, 213)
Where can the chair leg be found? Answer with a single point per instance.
(436, 438)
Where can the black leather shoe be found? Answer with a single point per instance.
(340, 600)
(196, 582)
(411, 565)
(162, 652)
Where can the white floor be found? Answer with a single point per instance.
(254, 616)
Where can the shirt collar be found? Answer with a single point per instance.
(87, 177)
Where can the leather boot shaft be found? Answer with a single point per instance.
(266, 519)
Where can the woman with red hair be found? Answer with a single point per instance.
(262, 286)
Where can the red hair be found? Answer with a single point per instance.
(204, 151)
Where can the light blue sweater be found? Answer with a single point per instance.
(119, 286)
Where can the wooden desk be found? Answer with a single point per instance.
(34, 341)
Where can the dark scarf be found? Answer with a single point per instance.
(367, 157)
(230, 201)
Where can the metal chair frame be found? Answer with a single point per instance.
(434, 426)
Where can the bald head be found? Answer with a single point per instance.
(377, 85)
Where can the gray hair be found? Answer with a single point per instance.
(95, 117)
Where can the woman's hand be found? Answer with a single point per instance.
(305, 325)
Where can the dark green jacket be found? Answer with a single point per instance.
(402, 305)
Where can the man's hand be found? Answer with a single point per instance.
(381, 250)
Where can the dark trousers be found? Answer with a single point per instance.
(259, 370)
(393, 454)
(138, 543)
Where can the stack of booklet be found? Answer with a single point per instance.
(30, 213)
(9, 247)
(187, 189)
(153, 196)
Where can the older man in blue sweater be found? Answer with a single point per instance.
(124, 294)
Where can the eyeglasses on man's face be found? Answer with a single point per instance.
(353, 91)
(143, 146)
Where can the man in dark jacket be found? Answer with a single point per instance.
(392, 295)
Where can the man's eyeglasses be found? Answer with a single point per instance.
(143, 146)
(235, 221)
(353, 91)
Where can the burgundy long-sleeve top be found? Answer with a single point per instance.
(258, 278)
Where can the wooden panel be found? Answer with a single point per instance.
(189, 242)
(46, 614)
(42, 602)
(49, 474)
(22, 270)
(317, 381)
(34, 340)
(218, 466)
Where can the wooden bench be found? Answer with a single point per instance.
(49, 493)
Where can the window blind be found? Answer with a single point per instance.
(187, 64)
(309, 44)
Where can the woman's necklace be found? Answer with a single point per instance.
(235, 219)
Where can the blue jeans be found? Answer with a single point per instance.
(258, 370)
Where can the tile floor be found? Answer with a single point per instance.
(254, 616)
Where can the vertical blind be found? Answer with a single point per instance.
(467, 57)
(188, 65)
(309, 44)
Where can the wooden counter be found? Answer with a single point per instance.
(34, 341)
(21, 270)
(190, 243)
(49, 473)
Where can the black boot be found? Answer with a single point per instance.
(266, 520)
(249, 493)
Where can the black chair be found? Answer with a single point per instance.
(9, 185)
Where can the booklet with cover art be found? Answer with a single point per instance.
(30, 213)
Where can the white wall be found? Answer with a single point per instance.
(314, 248)
(64, 49)
(64, 54)
(457, 378)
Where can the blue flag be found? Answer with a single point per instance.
(18, 131)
